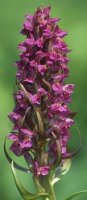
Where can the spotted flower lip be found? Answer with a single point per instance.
(41, 117)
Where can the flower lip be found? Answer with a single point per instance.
(27, 143)
(43, 170)
(57, 88)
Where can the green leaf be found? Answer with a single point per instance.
(66, 166)
(76, 194)
(61, 171)
(10, 160)
(55, 180)
(23, 192)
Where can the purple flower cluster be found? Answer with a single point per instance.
(41, 116)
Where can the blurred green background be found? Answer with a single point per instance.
(73, 14)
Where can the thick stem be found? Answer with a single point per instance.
(49, 189)
(39, 187)
(45, 186)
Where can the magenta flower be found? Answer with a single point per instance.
(41, 117)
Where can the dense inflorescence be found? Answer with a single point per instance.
(41, 116)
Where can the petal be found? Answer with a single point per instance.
(27, 132)
(41, 69)
(26, 143)
(34, 98)
(13, 137)
(44, 170)
(15, 148)
(57, 88)
(69, 88)
(14, 116)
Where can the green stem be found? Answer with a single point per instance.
(49, 189)
(39, 187)
(45, 186)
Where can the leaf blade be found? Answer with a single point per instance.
(15, 164)
(76, 194)
(23, 192)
